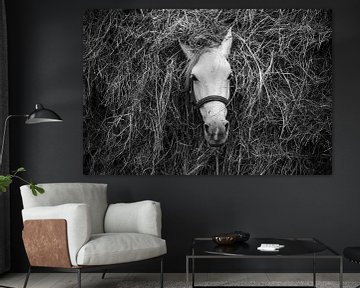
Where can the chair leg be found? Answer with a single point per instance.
(103, 275)
(161, 273)
(27, 277)
(79, 277)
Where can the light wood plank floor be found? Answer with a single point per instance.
(116, 280)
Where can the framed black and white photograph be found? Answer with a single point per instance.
(207, 92)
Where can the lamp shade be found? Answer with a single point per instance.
(42, 115)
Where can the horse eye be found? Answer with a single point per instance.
(230, 76)
(193, 77)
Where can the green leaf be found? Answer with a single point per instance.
(36, 189)
(39, 189)
(33, 189)
(5, 182)
(20, 169)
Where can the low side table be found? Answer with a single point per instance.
(294, 248)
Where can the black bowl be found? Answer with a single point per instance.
(241, 236)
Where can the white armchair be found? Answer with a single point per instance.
(72, 228)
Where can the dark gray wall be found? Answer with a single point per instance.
(45, 50)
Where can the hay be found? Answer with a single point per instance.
(138, 120)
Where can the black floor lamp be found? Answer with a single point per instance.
(39, 115)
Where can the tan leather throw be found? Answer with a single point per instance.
(46, 243)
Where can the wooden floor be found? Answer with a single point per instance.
(114, 280)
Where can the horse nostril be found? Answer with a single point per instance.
(207, 128)
(227, 126)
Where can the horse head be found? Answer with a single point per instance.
(209, 74)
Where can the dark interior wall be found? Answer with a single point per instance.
(45, 59)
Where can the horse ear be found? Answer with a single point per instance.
(187, 50)
(226, 44)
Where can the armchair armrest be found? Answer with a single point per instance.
(77, 217)
(138, 217)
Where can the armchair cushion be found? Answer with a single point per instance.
(138, 217)
(113, 248)
(78, 221)
(92, 194)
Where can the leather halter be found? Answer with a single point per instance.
(211, 98)
(206, 99)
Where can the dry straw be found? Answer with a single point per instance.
(139, 121)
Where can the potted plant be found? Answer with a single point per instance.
(6, 180)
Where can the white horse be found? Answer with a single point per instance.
(208, 80)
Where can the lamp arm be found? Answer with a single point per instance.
(4, 134)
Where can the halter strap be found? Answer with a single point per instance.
(211, 98)
(206, 99)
